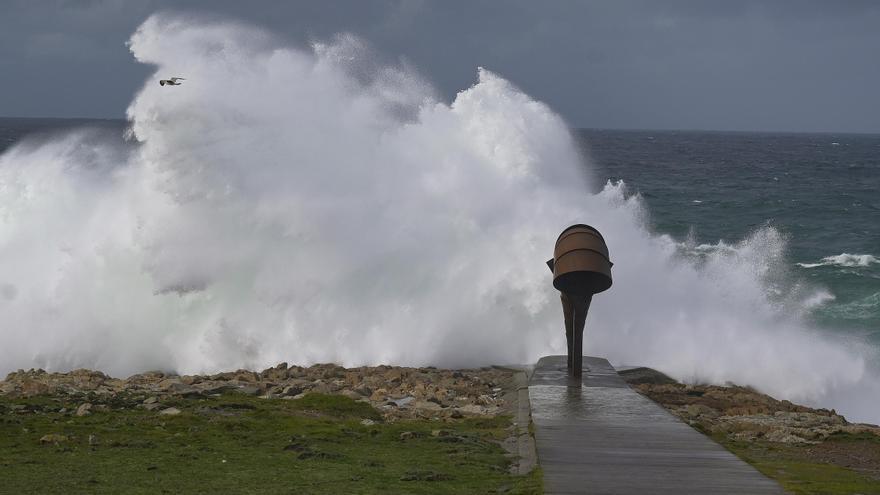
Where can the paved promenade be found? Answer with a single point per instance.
(601, 437)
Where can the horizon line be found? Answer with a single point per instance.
(573, 128)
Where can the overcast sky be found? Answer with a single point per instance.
(796, 65)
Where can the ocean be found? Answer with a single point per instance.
(821, 191)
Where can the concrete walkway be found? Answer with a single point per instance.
(602, 437)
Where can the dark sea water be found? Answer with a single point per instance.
(13, 129)
(822, 191)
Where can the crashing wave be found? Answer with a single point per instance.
(306, 205)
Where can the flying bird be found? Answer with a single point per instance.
(171, 82)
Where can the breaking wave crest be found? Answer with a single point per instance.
(308, 205)
(845, 260)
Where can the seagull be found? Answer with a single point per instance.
(171, 82)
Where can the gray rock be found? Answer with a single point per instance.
(248, 390)
(351, 394)
(169, 384)
(211, 388)
(324, 388)
(190, 379)
(426, 405)
(171, 411)
(84, 409)
(190, 393)
(292, 390)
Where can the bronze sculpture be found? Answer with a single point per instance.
(581, 268)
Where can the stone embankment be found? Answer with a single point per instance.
(741, 413)
(396, 392)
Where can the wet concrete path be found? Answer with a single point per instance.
(602, 437)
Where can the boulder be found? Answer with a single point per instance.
(214, 387)
(190, 379)
(247, 390)
(472, 410)
(351, 394)
(403, 402)
(277, 374)
(426, 405)
(246, 376)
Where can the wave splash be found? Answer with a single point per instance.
(310, 205)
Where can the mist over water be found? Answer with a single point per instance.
(312, 205)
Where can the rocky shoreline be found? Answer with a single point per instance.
(422, 393)
(752, 425)
(787, 441)
(396, 392)
(741, 413)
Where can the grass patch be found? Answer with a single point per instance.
(240, 444)
(798, 470)
(336, 406)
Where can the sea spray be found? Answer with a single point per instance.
(299, 205)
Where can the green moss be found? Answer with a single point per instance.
(797, 473)
(336, 406)
(842, 436)
(809, 477)
(239, 444)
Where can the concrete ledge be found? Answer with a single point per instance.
(528, 457)
(521, 445)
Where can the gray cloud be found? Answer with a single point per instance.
(749, 65)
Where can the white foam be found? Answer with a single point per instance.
(844, 260)
(810, 265)
(307, 206)
(819, 298)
